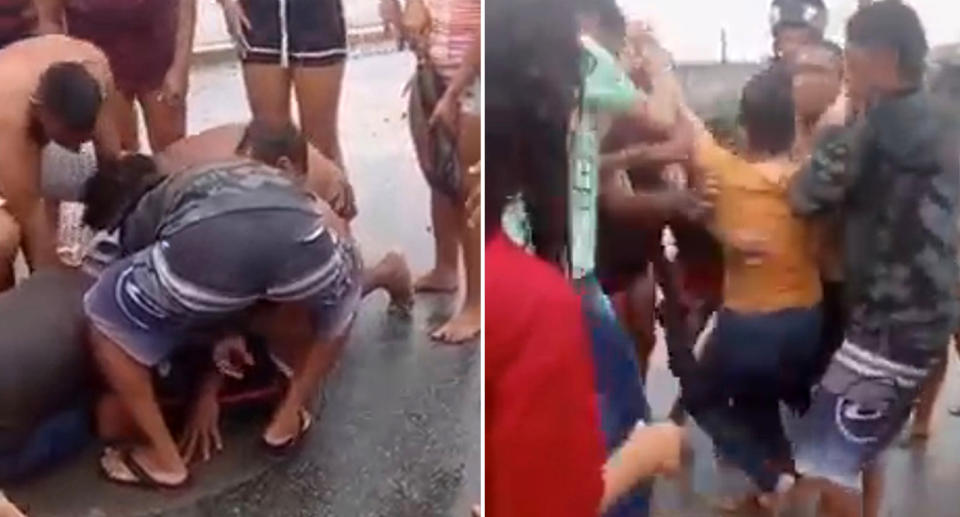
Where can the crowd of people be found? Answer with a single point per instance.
(812, 297)
(222, 270)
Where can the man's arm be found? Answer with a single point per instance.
(676, 148)
(49, 16)
(106, 136)
(20, 186)
(824, 181)
(177, 78)
(644, 208)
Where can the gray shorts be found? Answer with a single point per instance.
(857, 409)
(206, 277)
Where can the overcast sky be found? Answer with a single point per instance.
(691, 28)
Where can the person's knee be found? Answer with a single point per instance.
(9, 237)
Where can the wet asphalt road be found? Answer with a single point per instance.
(399, 434)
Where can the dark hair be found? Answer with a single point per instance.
(269, 143)
(608, 14)
(533, 73)
(767, 110)
(115, 189)
(69, 91)
(893, 26)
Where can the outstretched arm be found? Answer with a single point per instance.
(676, 148)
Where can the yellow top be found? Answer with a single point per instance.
(753, 213)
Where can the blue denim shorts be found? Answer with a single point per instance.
(857, 409)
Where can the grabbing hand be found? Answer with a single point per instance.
(689, 205)
(174, 89)
(447, 112)
(342, 201)
(231, 356)
(201, 436)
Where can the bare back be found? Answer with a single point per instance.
(220, 143)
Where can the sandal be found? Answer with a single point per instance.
(142, 478)
(287, 446)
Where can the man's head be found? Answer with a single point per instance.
(604, 21)
(767, 112)
(796, 23)
(817, 78)
(67, 104)
(115, 188)
(886, 50)
(283, 147)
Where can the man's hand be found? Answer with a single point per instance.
(235, 17)
(447, 111)
(342, 200)
(688, 205)
(201, 436)
(173, 92)
(231, 356)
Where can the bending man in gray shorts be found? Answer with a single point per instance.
(204, 254)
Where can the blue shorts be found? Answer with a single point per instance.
(753, 362)
(206, 277)
(858, 408)
(620, 391)
(53, 441)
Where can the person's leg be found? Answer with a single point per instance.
(923, 412)
(446, 250)
(318, 97)
(268, 92)
(837, 501)
(393, 275)
(640, 309)
(121, 108)
(466, 324)
(166, 122)
(9, 246)
(292, 339)
(873, 482)
(131, 383)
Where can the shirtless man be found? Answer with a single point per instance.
(54, 90)
(268, 249)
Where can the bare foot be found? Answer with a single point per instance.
(437, 281)
(7, 509)
(122, 467)
(461, 328)
(398, 282)
(287, 427)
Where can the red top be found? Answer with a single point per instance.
(544, 449)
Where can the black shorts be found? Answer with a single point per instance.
(294, 32)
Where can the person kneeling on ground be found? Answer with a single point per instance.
(267, 248)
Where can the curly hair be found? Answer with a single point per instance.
(533, 77)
